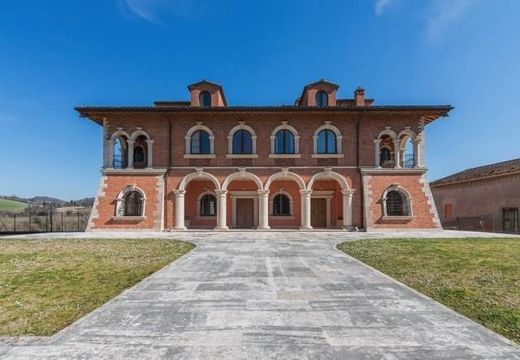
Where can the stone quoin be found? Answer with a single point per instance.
(321, 163)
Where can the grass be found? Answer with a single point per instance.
(12, 206)
(46, 285)
(479, 278)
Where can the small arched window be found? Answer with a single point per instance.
(284, 142)
(385, 157)
(242, 142)
(326, 142)
(396, 204)
(208, 205)
(133, 204)
(199, 142)
(281, 205)
(205, 99)
(119, 154)
(322, 99)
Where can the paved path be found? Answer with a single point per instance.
(269, 296)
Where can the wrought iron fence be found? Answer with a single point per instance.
(50, 221)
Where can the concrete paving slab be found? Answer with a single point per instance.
(269, 295)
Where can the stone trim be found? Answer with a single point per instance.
(133, 171)
(431, 202)
(94, 214)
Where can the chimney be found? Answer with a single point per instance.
(359, 96)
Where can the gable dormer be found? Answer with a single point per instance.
(207, 94)
(320, 94)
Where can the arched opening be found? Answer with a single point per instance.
(284, 142)
(120, 152)
(407, 150)
(208, 205)
(396, 202)
(242, 142)
(140, 160)
(243, 200)
(281, 205)
(328, 201)
(200, 142)
(386, 152)
(196, 205)
(130, 203)
(205, 99)
(322, 99)
(326, 142)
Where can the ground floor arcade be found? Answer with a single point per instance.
(263, 199)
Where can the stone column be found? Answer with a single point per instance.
(221, 210)
(109, 156)
(417, 145)
(347, 208)
(263, 214)
(397, 154)
(377, 148)
(130, 154)
(149, 161)
(179, 209)
(306, 209)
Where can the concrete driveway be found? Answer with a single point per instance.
(281, 295)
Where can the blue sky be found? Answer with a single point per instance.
(56, 55)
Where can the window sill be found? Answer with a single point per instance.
(199, 156)
(242, 156)
(285, 156)
(327, 156)
(397, 218)
(128, 218)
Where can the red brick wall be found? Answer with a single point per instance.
(421, 208)
(114, 184)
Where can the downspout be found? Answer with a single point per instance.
(361, 188)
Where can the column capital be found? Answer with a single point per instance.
(179, 192)
(306, 192)
(130, 141)
(263, 192)
(348, 192)
(221, 192)
(149, 141)
(377, 141)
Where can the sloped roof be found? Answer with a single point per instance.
(481, 172)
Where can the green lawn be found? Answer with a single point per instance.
(479, 278)
(12, 206)
(47, 284)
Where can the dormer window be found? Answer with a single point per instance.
(322, 99)
(205, 99)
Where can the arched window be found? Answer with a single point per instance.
(326, 142)
(200, 142)
(140, 151)
(242, 142)
(205, 99)
(133, 204)
(281, 205)
(322, 99)
(396, 204)
(208, 205)
(119, 154)
(139, 154)
(284, 142)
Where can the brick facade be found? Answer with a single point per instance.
(349, 178)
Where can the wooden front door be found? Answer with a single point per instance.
(319, 213)
(245, 214)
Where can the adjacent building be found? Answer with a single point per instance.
(324, 162)
(485, 198)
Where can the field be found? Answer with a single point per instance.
(47, 284)
(12, 206)
(479, 278)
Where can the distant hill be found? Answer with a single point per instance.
(48, 201)
(12, 206)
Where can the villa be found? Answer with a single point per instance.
(323, 162)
